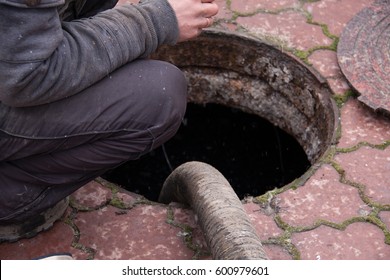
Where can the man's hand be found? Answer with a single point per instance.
(193, 16)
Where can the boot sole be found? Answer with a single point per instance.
(30, 228)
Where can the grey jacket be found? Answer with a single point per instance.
(44, 58)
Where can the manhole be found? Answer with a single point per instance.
(255, 113)
(254, 155)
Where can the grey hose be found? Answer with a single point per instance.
(228, 231)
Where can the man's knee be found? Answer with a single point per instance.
(169, 99)
(168, 87)
(149, 103)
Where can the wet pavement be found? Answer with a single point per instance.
(340, 211)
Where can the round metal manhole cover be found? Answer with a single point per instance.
(364, 55)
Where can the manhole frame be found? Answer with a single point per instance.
(190, 55)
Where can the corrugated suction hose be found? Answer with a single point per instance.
(226, 226)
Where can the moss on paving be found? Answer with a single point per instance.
(186, 233)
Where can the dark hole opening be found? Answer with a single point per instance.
(254, 155)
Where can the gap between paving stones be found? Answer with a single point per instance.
(186, 234)
(69, 220)
(359, 186)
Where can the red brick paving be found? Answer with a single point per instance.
(360, 124)
(335, 13)
(359, 241)
(323, 197)
(341, 212)
(251, 6)
(325, 62)
(369, 167)
(289, 27)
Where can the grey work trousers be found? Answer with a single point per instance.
(49, 151)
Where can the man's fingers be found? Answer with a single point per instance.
(209, 9)
(208, 22)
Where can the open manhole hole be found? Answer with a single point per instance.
(255, 113)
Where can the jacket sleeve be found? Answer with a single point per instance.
(43, 59)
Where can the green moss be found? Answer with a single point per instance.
(308, 1)
(333, 46)
(266, 198)
(89, 251)
(262, 199)
(387, 238)
(229, 4)
(383, 146)
(118, 203)
(343, 98)
(327, 33)
(292, 249)
(361, 189)
(338, 168)
(69, 220)
(170, 216)
(282, 224)
(284, 241)
(113, 187)
(302, 55)
(372, 219)
(81, 208)
(340, 99)
(186, 233)
(324, 28)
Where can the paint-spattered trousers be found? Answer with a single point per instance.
(49, 151)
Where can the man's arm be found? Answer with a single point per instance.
(43, 60)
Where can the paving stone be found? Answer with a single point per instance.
(288, 28)
(359, 241)
(247, 6)
(335, 13)
(141, 233)
(275, 252)
(198, 242)
(360, 124)
(224, 12)
(325, 62)
(370, 167)
(264, 224)
(226, 26)
(385, 217)
(92, 195)
(128, 198)
(338, 85)
(322, 197)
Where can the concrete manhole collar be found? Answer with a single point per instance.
(248, 74)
